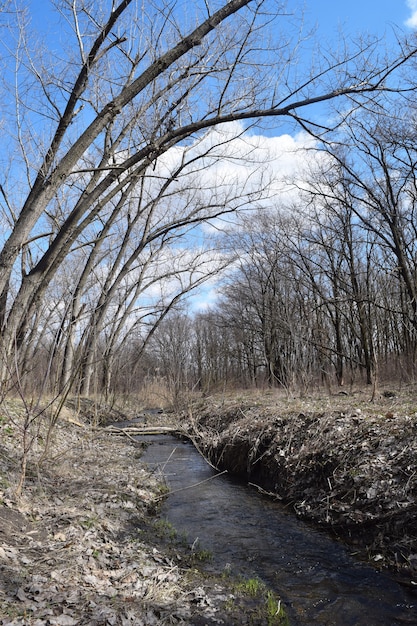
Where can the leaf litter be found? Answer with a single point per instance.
(72, 550)
(339, 461)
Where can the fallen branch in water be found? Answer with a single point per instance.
(144, 430)
(193, 485)
(270, 494)
(158, 430)
(197, 447)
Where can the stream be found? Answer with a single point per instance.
(316, 577)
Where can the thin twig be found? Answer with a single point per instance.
(193, 485)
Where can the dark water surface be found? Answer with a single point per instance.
(317, 578)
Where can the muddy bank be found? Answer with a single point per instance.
(351, 469)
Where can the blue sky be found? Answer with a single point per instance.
(368, 16)
(355, 15)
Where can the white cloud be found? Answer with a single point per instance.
(225, 169)
(246, 170)
(412, 20)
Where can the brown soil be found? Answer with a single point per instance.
(81, 546)
(341, 463)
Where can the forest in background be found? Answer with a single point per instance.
(112, 216)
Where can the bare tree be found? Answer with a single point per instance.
(89, 128)
(371, 180)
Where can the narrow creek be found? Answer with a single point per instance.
(317, 578)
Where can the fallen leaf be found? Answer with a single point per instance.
(63, 620)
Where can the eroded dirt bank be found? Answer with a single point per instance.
(351, 468)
